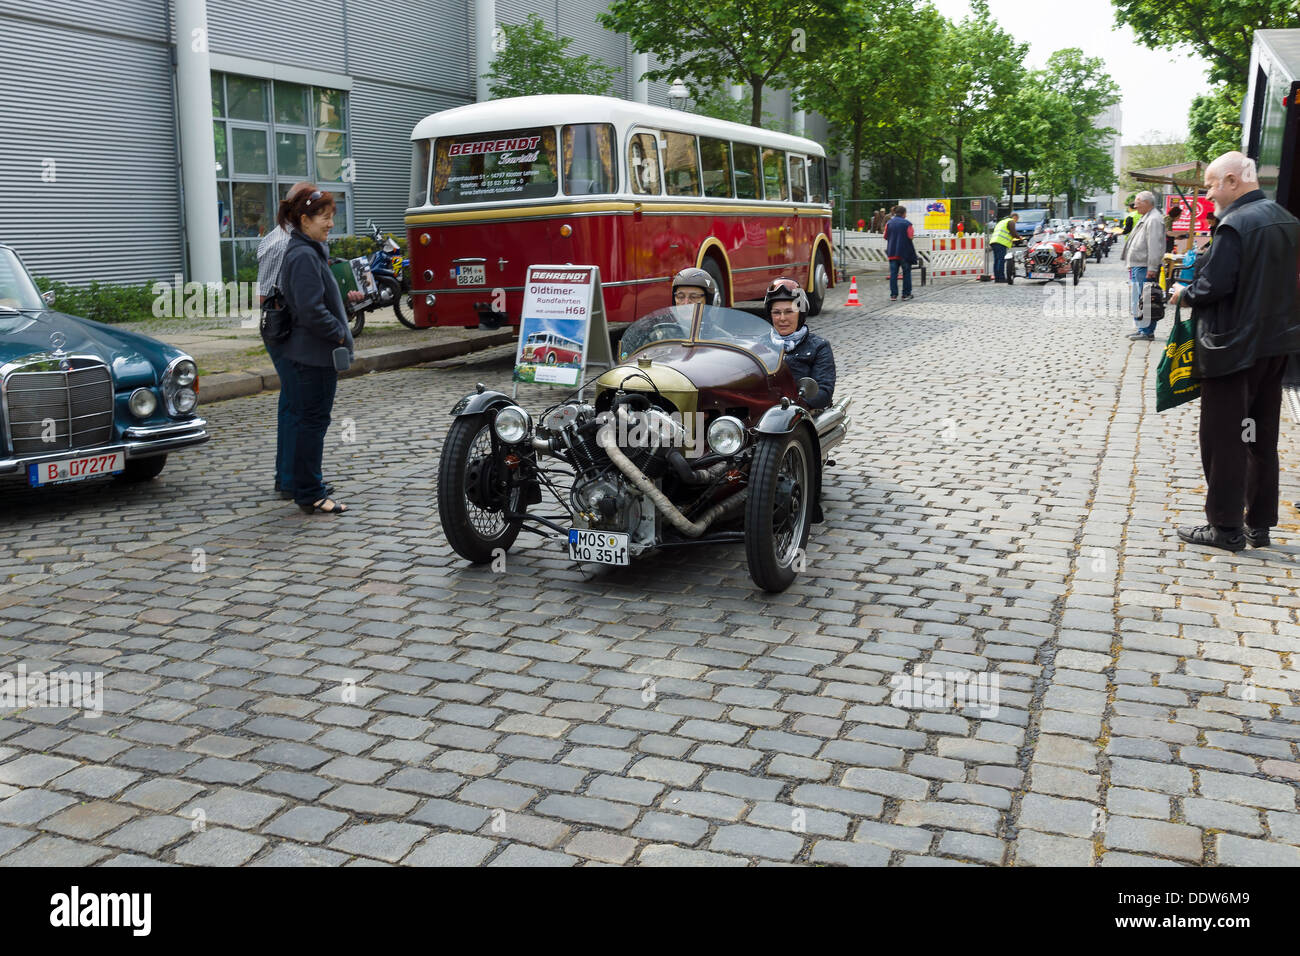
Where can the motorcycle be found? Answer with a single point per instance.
(392, 276)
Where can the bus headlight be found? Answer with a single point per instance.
(142, 403)
(513, 424)
(726, 435)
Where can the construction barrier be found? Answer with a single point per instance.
(956, 256)
(941, 256)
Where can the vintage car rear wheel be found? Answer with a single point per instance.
(778, 512)
(471, 498)
(143, 469)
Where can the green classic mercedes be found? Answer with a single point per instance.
(79, 399)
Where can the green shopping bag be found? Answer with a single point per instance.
(1174, 382)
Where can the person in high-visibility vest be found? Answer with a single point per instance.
(1003, 239)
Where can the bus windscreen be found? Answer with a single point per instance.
(483, 167)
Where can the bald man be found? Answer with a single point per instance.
(1244, 301)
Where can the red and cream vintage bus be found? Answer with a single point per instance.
(639, 191)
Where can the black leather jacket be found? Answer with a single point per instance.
(1244, 294)
(812, 358)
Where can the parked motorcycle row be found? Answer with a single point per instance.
(385, 279)
(1061, 249)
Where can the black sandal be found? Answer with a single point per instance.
(319, 507)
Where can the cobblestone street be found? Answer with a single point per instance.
(284, 689)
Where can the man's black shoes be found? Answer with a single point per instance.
(1258, 537)
(1228, 539)
(1142, 336)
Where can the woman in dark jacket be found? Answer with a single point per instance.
(319, 328)
(807, 355)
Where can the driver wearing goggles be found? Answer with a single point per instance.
(807, 355)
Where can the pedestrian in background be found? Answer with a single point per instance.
(901, 252)
(1171, 217)
(270, 258)
(1142, 254)
(1243, 298)
(320, 329)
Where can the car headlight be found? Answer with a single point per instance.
(726, 435)
(185, 372)
(142, 403)
(513, 424)
(180, 387)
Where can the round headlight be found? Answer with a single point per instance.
(185, 400)
(185, 373)
(726, 435)
(142, 403)
(513, 424)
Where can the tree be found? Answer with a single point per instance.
(870, 103)
(718, 103)
(1214, 122)
(1219, 30)
(1148, 155)
(982, 69)
(1081, 159)
(750, 42)
(533, 61)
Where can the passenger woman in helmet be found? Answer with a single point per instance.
(806, 354)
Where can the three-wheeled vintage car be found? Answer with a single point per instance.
(697, 437)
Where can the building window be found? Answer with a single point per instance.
(268, 136)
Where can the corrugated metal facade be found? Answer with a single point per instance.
(88, 167)
(101, 107)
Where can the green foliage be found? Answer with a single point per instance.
(755, 42)
(1148, 155)
(717, 102)
(101, 301)
(1219, 30)
(532, 61)
(349, 247)
(1214, 122)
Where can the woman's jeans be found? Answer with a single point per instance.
(286, 431)
(894, 266)
(1137, 276)
(313, 400)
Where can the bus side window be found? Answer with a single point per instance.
(774, 180)
(749, 175)
(588, 159)
(643, 164)
(798, 190)
(816, 179)
(716, 158)
(681, 168)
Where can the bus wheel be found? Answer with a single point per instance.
(821, 280)
(715, 273)
(550, 358)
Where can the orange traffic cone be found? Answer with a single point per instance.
(853, 293)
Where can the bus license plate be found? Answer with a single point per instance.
(598, 547)
(471, 275)
(75, 469)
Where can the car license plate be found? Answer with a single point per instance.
(598, 547)
(75, 469)
(471, 275)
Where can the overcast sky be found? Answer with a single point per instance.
(1157, 86)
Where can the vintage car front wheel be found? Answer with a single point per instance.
(778, 512)
(472, 492)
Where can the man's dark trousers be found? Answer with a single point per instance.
(999, 256)
(1242, 474)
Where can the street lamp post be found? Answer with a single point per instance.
(678, 94)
